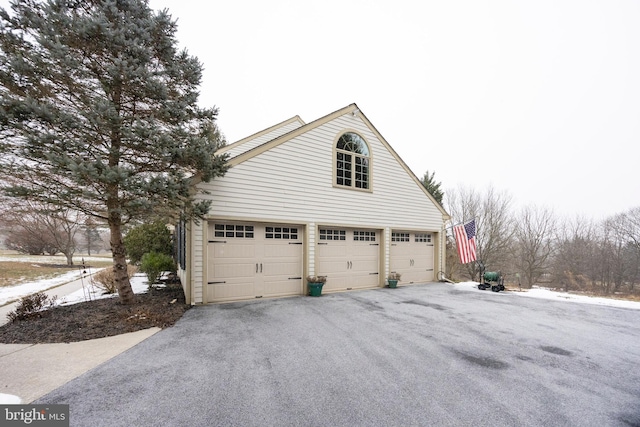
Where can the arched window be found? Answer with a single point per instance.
(353, 162)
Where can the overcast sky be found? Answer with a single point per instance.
(538, 98)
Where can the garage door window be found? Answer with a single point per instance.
(399, 237)
(281, 233)
(364, 236)
(423, 237)
(233, 230)
(327, 234)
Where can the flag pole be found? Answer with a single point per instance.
(460, 223)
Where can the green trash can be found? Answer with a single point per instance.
(315, 289)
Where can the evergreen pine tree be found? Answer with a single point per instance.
(432, 186)
(98, 113)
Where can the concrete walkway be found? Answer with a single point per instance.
(30, 371)
(55, 291)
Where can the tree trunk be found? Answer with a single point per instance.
(120, 274)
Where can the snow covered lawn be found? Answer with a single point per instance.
(543, 293)
(12, 293)
(53, 259)
(86, 292)
(90, 292)
(49, 278)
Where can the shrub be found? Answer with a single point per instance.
(103, 279)
(154, 263)
(153, 237)
(31, 306)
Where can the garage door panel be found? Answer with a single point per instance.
(351, 263)
(282, 286)
(412, 255)
(232, 249)
(399, 264)
(230, 291)
(282, 268)
(365, 281)
(364, 266)
(337, 282)
(332, 250)
(365, 253)
(425, 261)
(259, 260)
(414, 275)
(331, 267)
(280, 250)
(233, 271)
(401, 249)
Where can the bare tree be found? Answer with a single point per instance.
(632, 230)
(105, 239)
(607, 248)
(620, 250)
(631, 226)
(63, 225)
(599, 257)
(89, 238)
(581, 254)
(462, 203)
(627, 224)
(25, 231)
(494, 224)
(535, 238)
(37, 228)
(29, 238)
(575, 253)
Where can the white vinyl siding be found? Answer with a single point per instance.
(197, 276)
(294, 182)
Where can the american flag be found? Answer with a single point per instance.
(466, 241)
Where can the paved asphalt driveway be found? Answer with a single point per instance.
(417, 355)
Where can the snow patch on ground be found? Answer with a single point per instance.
(52, 259)
(543, 293)
(88, 290)
(12, 293)
(9, 399)
(91, 292)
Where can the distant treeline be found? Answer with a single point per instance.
(532, 245)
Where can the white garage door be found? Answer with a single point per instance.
(412, 255)
(349, 258)
(253, 261)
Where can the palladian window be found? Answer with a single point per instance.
(353, 163)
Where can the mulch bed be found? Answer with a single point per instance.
(97, 319)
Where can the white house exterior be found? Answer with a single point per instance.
(329, 198)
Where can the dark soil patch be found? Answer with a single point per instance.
(97, 319)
